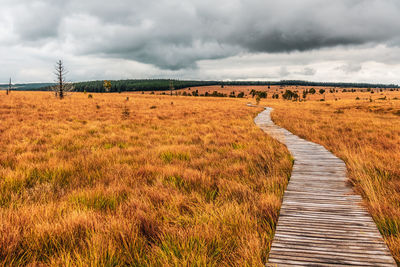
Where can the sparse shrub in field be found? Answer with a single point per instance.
(258, 99)
(153, 107)
(90, 96)
(97, 106)
(261, 94)
(127, 98)
(217, 94)
(289, 95)
(305, 92)
(357, 98)
(125, 113)
(240, 95)
(312, 91)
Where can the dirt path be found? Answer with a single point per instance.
(321, 220)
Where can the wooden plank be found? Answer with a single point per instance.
(321, 221)
(332, 254)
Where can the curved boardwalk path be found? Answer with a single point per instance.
(321, 221)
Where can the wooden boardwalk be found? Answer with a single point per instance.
(321, 221)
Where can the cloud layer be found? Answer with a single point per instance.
(176, 35)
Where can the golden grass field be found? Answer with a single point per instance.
(366, 135)
(165, 181)
(155, 180)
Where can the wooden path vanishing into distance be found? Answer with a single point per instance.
(321, 221)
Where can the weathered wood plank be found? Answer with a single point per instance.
(322, 222)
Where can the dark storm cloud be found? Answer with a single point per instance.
(177, 34)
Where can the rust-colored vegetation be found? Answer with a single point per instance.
(108, 180)
(366, 135)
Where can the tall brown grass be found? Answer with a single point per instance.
(147, 180)
(366, 135)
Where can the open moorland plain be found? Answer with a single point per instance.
(116, 179)
(125, 179)
(366, 135)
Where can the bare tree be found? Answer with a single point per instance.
(62, 87)
(8, 90)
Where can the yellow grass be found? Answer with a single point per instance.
(154, 180)
(366, 135)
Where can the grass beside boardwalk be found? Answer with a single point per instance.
(366, 135)
(150, 181)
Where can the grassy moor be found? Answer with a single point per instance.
(127, 179)
(199, 133)
(366, 135)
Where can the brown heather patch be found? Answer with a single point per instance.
(366, 135)
(104, 181)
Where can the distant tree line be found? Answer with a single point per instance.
(28, 86)
(137, 85)
(165, 85)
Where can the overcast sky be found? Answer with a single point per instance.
(316, 40)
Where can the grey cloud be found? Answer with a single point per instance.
(350, 68)
(307, 71)
(37, 20)
(178, 34)
(283, 72)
